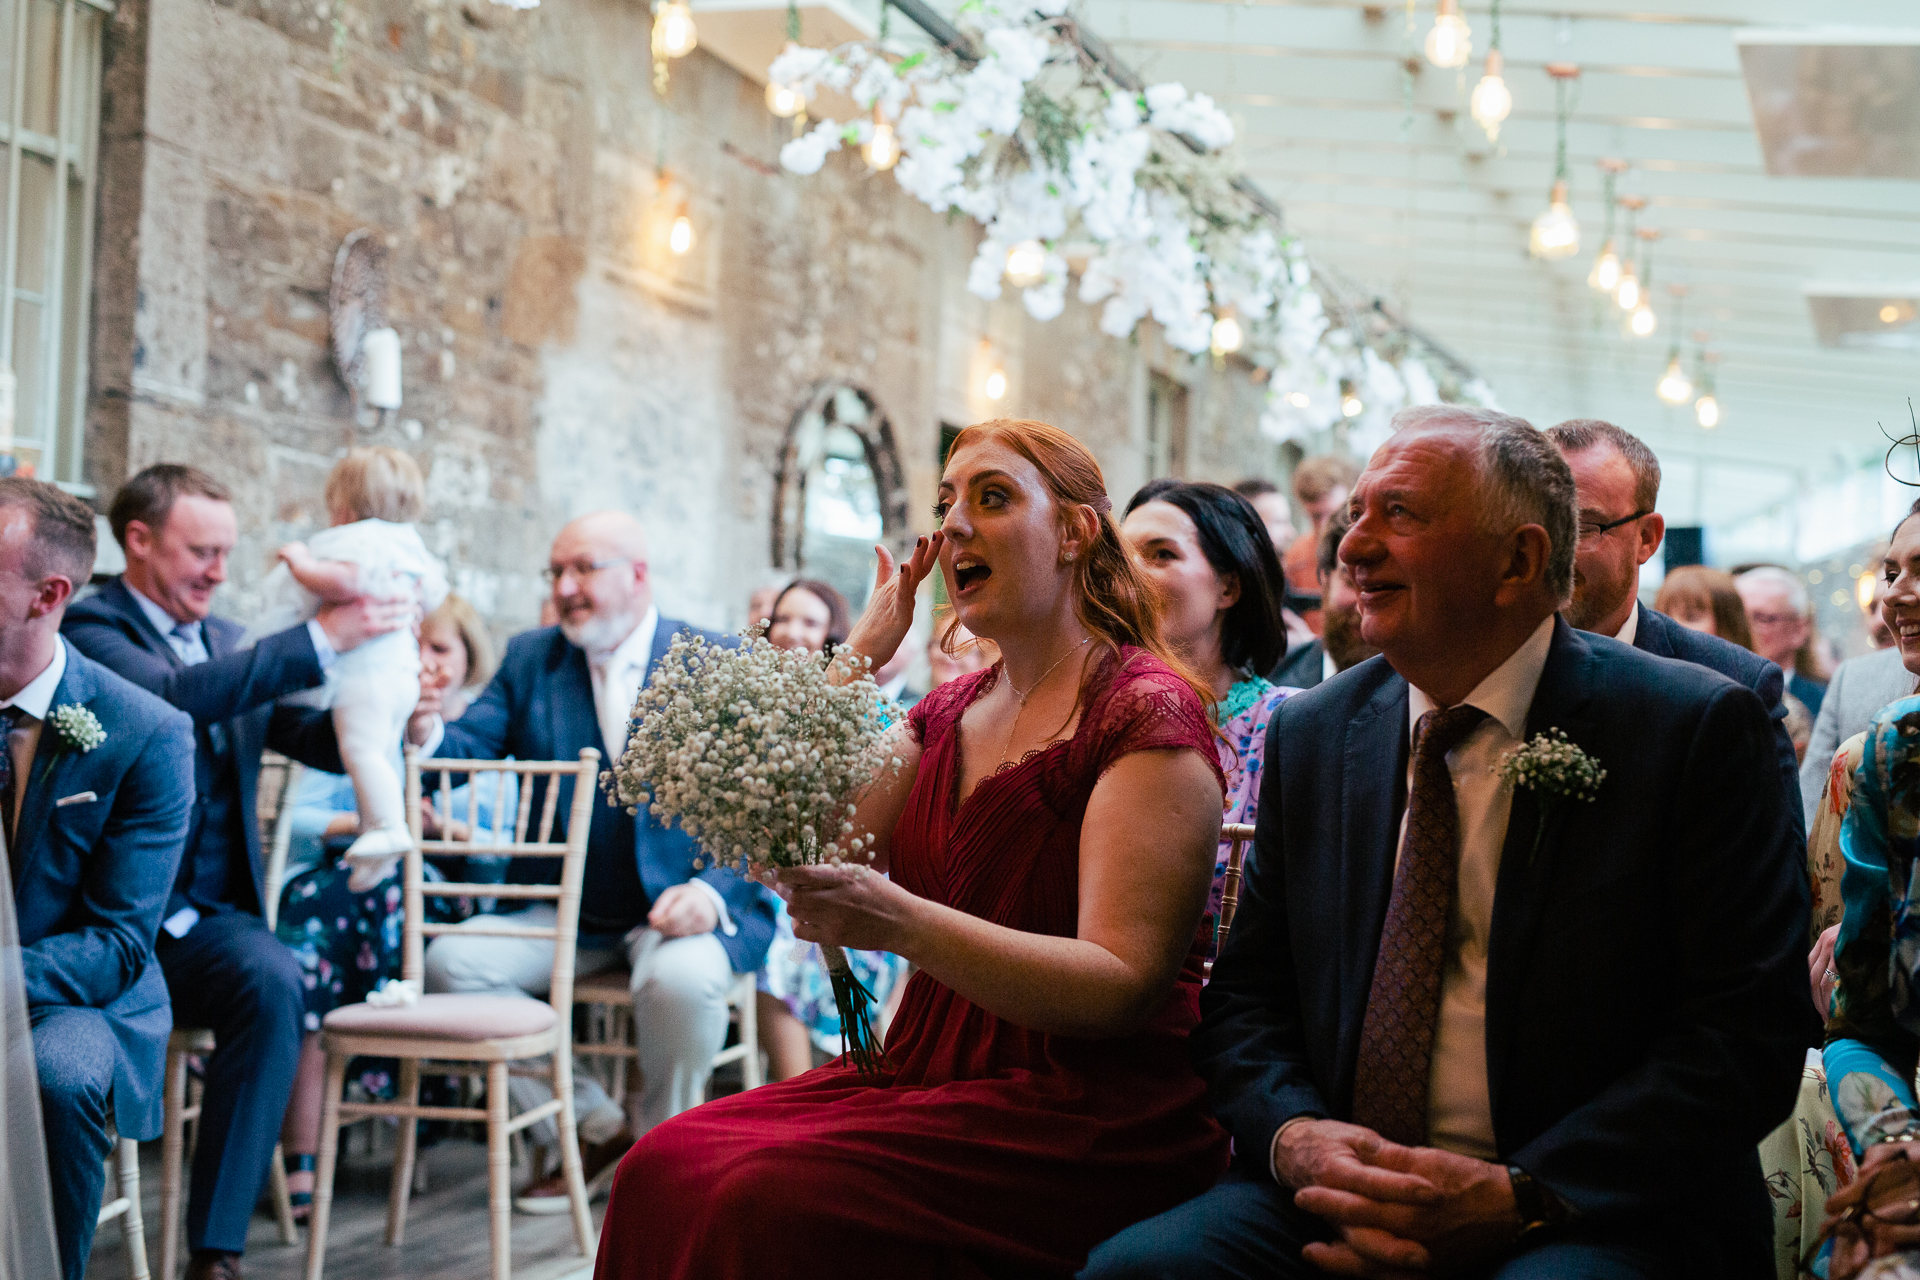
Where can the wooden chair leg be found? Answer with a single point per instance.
(127, 1167)
(282, 1198)
(173, 1158)
(570, 1152)
(752, 1073)
(406, 1143)
(499, 1173)
(323, 1175)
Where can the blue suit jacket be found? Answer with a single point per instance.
(1646, 1010)
(539, 706)
(1662, 637)
(231, 699)
(92, 876)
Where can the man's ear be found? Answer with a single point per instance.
(1526, 570)
(50, 595)
(137, 541)
(1653, 531)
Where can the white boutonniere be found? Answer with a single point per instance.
(79, 729)
(1555, 770)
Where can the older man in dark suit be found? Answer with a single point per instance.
(686, 933)
(96, 785)
(224, 967)
(1618, 481)
(1488, 1024)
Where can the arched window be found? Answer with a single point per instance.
(840, 489)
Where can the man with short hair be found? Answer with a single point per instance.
(1780, 614)
(1618, 480)
(225, 969)
(1484, 1021)
(686, 934)
(96, 782)
(1265, 497)
(1340, 644)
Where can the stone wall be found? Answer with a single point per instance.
(557, 358)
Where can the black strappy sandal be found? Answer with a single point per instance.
(300, 1201)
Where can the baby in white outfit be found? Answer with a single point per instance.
(371, 549)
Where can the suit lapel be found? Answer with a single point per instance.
(1373, 793)
(571, 712)
(1562, 701)
(1652, 637)
(129, 607)
(51, 761)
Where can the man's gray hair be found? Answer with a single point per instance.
(1577, 435)
(1786, 579)
(1523, 480)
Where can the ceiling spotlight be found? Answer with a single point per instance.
(1026, 264)
(1450, 43)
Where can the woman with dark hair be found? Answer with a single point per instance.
(1207, 550)
(1048, 837)
(808, 614)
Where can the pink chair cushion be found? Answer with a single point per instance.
(447, 1017)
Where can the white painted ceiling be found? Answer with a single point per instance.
(1385, 176)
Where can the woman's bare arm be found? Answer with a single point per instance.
(1147, 849)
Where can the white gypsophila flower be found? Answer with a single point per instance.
(1171, 108)
(79, 729)
(755, 752)
(806, 153)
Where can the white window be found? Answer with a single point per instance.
(49, 132)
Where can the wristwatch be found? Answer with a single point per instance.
(1540, 1210)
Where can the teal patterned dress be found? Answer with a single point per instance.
(1242, 717)
(1873, 1028)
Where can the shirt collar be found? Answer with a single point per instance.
(636, 648)
(37, 695)
(162, 621)
(1631, 627)
(1507, 692)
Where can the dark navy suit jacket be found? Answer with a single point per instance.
(539, 706)
(1662, 637)
(1646, 1010)
(91, 876)
(231, 699)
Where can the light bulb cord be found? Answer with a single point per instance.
(1495, 46)
(1608, 182)
(1560, 143)
(793, 20)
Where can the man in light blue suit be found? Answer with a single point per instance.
(96, 786)
(685, 932)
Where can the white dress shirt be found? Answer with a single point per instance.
(1631, 627)
(617, 679)
(1459, 1113)
(34, 700)
(1328, 667)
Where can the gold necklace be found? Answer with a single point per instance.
(1033, 689)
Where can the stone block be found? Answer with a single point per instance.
(540, 306)
(322, 158)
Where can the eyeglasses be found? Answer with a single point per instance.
(1891, 1196)
(1772, 619)
(1589, 531)
(581, 572)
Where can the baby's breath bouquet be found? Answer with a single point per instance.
(759, 753)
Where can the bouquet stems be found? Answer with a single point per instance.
(855, 1004)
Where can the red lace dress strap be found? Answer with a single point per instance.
(1138, 703)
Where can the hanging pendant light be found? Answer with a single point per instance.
(680, 234)
(1450, 43)
(881, 150)
(784, 100)
(1556, 233)
(1492, 101)
(1627, 291)
(1228, 336)
(1706, 410)
(1026, 264)
(1605, 276)
(1675, 387)
(674, 36)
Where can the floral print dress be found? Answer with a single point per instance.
(1242, 717)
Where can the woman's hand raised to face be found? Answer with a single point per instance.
(889, 614)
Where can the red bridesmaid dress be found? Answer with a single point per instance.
(986, 1148)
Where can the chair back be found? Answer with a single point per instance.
(279, 778)
(527, 838)
(1241, 835)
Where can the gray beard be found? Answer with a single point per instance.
(600, 635)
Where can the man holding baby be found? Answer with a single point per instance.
(224, 968)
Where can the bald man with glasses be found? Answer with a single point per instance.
(560, 689)
(1618, 480)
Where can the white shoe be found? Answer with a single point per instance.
(380, 843)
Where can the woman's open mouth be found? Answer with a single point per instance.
(968, 573)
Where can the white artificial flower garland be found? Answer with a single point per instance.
(1035, 144)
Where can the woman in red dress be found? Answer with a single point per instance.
(1050, 845)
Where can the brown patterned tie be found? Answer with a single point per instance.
(1403, 1006)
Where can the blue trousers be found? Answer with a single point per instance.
(232, 975)
(74, 1052)
(1243, 1229)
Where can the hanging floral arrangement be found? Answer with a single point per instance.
(1072, 174)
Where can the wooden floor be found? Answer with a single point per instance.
(446, 1227)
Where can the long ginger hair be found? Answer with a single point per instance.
(1112, 598)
